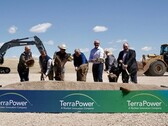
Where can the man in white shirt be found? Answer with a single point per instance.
(46, 65)
(97, 58)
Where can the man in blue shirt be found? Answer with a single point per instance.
(81, 65)
(97, 58)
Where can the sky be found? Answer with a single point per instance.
(77, 23)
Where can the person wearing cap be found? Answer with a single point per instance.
(128, 64)
(23, 68)
(80, 64)
(60, 58)
(111, 66)
(97, 58)
(46, 66)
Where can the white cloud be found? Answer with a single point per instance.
(100, 29)
(146, 48)
(121, 41)
(40, 28)
(12, 29)
(84, 50)
(111, 49)
(50, 42)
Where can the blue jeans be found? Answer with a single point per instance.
(97, 70)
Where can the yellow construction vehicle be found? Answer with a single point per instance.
(156, 65)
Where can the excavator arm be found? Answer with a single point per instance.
(18, 42)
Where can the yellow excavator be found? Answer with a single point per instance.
(156, 65)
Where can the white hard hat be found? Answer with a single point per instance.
(63, 46)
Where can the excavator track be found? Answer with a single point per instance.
(4, 70)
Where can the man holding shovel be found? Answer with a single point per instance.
(46, 66)
(128, 64)
(81, 65)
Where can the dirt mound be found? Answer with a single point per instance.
(66, 85)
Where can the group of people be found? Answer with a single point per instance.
(125, 64)
(54, 68)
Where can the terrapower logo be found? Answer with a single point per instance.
(145, 101)
(12, 100)
(78, 101)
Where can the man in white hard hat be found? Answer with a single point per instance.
(60, 58)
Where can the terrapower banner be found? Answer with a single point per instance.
(85, 101)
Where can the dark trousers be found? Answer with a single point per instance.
(125, 77)
(97, 70)
(59, 73)
(59, 76)
(132, 76)
(50, 75)
(23, 74)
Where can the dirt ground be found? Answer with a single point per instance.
(73, 119)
